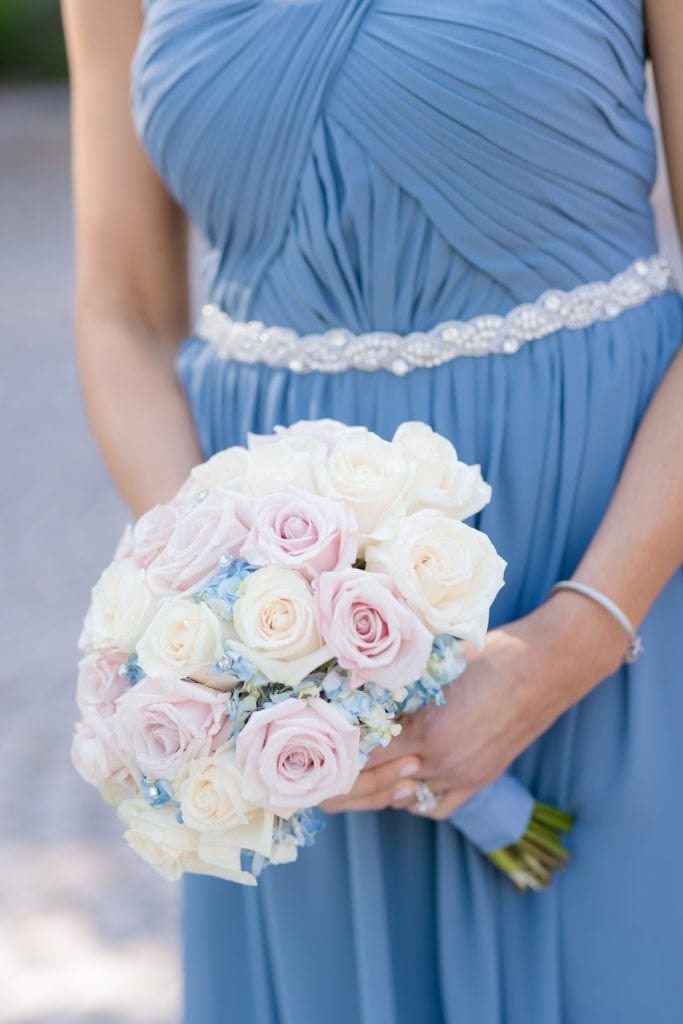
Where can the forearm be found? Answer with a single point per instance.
(639, 544)
(137, 410)
(636, 549)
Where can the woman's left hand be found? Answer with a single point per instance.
(528, 673)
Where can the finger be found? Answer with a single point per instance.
(449, 801)
(402, 745)
(372, 782)
(403, 795)
(379, 800)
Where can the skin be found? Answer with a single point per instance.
(132, 311)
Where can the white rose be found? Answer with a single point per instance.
(275, 618)
(121, 609)
(441, 480)
(183, 639)
(172, 849)
(292, 461)
(326, 430)
(448, 572)
(369, 474)
(224, 469)
(210, 792)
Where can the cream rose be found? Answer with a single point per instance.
(122, 607)
(183, 639)
(296, 754)
(224, 469)
(449, 573)
(162, 724)
(441, 480)
(275, 620)
(290, 462)
(210, 791)
(369, 474)
(173, 849)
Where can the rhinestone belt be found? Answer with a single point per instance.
(338, 349)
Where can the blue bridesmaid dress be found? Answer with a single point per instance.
(389, 164)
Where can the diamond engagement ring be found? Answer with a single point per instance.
(425, 800)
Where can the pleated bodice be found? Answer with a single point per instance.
(491, 150)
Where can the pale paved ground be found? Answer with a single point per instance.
(87, 931)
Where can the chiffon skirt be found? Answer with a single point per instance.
(394, 919)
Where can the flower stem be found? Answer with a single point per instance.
(530, 862)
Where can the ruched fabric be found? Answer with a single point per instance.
(389, 164)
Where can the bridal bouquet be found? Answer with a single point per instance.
(255, 638)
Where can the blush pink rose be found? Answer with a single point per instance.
(98, 759)
(185, 498)
(296, 754)
(149, 536)
(216, 526)
(163, 723)
(99, 684)
(300, 530)
(370, 628)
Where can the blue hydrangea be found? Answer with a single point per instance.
(132, 669)
(221, 592)
(446, 662)
(234, 664)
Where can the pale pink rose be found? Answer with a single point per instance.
(299, 530)
(296, 754)
(326, 430)
(124, 548)
(185, 498)
(217, 526)
(98, 759)
(163, 723)
(100, 684)
(370, 628)
(151, 533)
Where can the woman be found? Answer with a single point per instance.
(387, 165)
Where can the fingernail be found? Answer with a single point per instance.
(403, 793)
(409, 769)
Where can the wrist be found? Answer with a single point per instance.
(583, 642)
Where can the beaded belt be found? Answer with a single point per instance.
(338, 349)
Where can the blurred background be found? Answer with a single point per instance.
(88, 933)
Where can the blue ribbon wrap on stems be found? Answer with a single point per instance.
(497, 815)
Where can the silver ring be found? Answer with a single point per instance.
(425, 800)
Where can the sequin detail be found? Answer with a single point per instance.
(338, 349)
